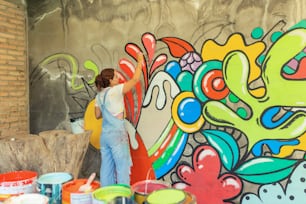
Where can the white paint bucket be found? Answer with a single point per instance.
(30, 198)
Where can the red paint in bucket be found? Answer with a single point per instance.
(71, 194)
(143, 188)
(16, 183)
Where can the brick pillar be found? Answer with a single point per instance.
(14, 89)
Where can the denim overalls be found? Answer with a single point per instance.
(115, 151)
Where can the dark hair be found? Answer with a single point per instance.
(103, 79)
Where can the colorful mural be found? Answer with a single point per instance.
(237, 115)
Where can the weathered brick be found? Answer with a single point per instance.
(21, 58)
(15, 52)
(3, 72)
(16, 42)
(7, 57)
(16, 93)
(7, 4)
(3, 83)
(15, 62)
(7, 36)
(4, 94)
(13, 10)
(13, 31)
(16, 83)
(3, 51)
(7, 24)
(7, 67)
(2, 18)
(16, 21)
(3, 62)
(3, 40)
(4, 125)
(7, 46)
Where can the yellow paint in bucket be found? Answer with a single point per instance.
(29, 198)
(143, 188)
(166, 196)
(108, 193)
(71, 194)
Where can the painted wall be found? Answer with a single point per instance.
(219, 111)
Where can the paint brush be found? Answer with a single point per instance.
(87, 186)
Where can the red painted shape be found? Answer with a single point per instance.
(149, 42)
(213, 85)
(300, 73)
(142, 166)
(204, 179)
(177, 47)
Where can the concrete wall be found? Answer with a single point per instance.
(14, 89)
(220, 110)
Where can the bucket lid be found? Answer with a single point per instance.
(166, 196)
(55, 178)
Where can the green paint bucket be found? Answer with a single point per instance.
(143, 188)
(166, 196)
(108, 193)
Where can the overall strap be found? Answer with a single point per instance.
(106, 91)
(99, 98)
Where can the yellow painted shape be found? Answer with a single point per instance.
(286, 151)
(93, 124)
(214, 51)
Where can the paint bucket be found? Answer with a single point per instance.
(50, 185)
(16, 183)
(29, 198)
(71, 194)
(122, 200)
(166, 196)
(143, 188)
(77, 125)
(108, 193)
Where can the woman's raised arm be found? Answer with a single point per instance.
(133, 81)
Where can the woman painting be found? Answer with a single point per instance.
(115, 153)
